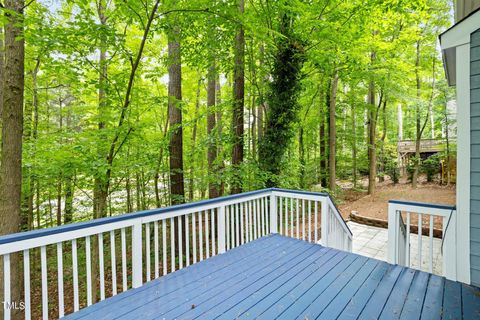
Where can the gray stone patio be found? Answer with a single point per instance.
(373, 242)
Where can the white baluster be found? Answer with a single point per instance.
(88, 254)
(207, 237)
(200, 234)
(172, 244)
(431, 244)
(26, 283)
(76, 302)
(147, 252)
(164, 246)
(298, 218)
(420, 241)
(101, 266)
(187, 239)
(309, 221)
(61, 308)
(6, 287)
(156, 248)
(180, 243)
(113, 261)
(124, 259)
(212, 224)
(407, 245)
(315, 224)
(280, 231)
(194, 237)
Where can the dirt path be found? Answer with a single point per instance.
(377, 206)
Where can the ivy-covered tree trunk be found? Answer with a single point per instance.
(212, 135)
(12, 130)
(282, 101)
(238, 103)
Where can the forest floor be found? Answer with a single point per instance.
(377, 206)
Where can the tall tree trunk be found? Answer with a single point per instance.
(417, 118)
(238, 102)
(101, 179)
(212, 135)
(175, 147)
(29, 138)
(323, 148)
(68, 216)
(381, 178)
(177, 190)
(191, 186)
(128, 189)
(2, 72)
(301, 152)
(372, 130)
(420, 128)
(138, 196)
(354, 143)
(101, 182)
(59, 201)
(220, 159)
(333, 134)
(12, 130)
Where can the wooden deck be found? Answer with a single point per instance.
(277, 277)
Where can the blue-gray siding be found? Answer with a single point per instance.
(277, 277)
(475, 157)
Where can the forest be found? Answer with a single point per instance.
(110, 107)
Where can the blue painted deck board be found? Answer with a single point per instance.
(416, 297)
(397, 298)
(432, 306)
(277, 277)
(176, 290)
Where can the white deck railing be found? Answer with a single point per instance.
(122, 252)
(420, 234)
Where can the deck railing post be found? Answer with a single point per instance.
(324, 222)
(273, 213)
(221, 229)
(449, 248)
(392, 234)
(137, 254)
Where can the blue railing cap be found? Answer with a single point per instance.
(424, 204)
(139, 214)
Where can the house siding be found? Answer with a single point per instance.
(475, 158)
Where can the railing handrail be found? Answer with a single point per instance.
(320, 194)
(28, 235)
(423, 204)
(399, 255)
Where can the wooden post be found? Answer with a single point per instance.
(221, 229)
(273, 214)
(137, 255)
(324, 223)
(392, 234)
(449, 247)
